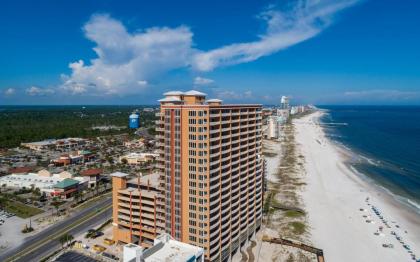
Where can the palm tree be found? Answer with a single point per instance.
(56, 204)
(63, 240)
(66, 239)
(69, 239)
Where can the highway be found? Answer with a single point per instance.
(44, 243)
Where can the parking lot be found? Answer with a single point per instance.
(110, 250)
(5, 215)
(72, 256)
(10, 230)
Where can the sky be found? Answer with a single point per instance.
(363, 52)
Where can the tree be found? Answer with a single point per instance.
(56, 204)
(62, 240)
(69, 239)
(124, 161)
(65, 239)
(37, 191)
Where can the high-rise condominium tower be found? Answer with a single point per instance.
(211, 171)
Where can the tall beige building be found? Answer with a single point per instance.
(211, 171)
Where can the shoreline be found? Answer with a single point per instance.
(411, 205)
(334, 196)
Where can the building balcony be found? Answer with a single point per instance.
(215, 201)
(215, 194)
(214, 131)
(214, 139)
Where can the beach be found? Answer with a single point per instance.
(344, 211)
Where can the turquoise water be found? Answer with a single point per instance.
(385, 141)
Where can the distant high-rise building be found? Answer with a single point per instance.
(274, 126)
(212, 171)
(284, 102)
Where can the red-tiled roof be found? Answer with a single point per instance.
(20, 170)
(92, 172)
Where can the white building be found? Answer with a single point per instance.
(284, 102)
(165, 248)
(272, 130)
(43, 180)
(44, 183)
(66, 143)
(138, 158)
(285, 113)
(297, 110)
(274, 126)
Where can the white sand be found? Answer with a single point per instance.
(333, 196)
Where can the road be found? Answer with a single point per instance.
(44, 243)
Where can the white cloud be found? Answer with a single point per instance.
(233, 95)
(37, 91)
(142, 83)
(202, 81)
(284, 29)
(128, 61)
(382, 94)
(9, 91)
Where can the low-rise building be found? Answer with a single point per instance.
(21, 170)
(77, 157)
(59, 144)
(31, 180)
(50, 184)
(40, 145)
(138, 158)
(67, 187)
(137, 143)
(92, 176)
(164, 248)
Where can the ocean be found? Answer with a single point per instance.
(385, 145)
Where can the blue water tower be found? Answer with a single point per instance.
(134, 120)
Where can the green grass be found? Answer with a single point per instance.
(21, 210)
(297, 227)
(293, 213)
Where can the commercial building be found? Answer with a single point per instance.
(164, 248)
(74, 158)
(52, 184)
(92, 176)
(60, 144)
(138, 158)
(136, 143)
(212, 171)
(138, 208)
(66, 187)
(45, 184)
